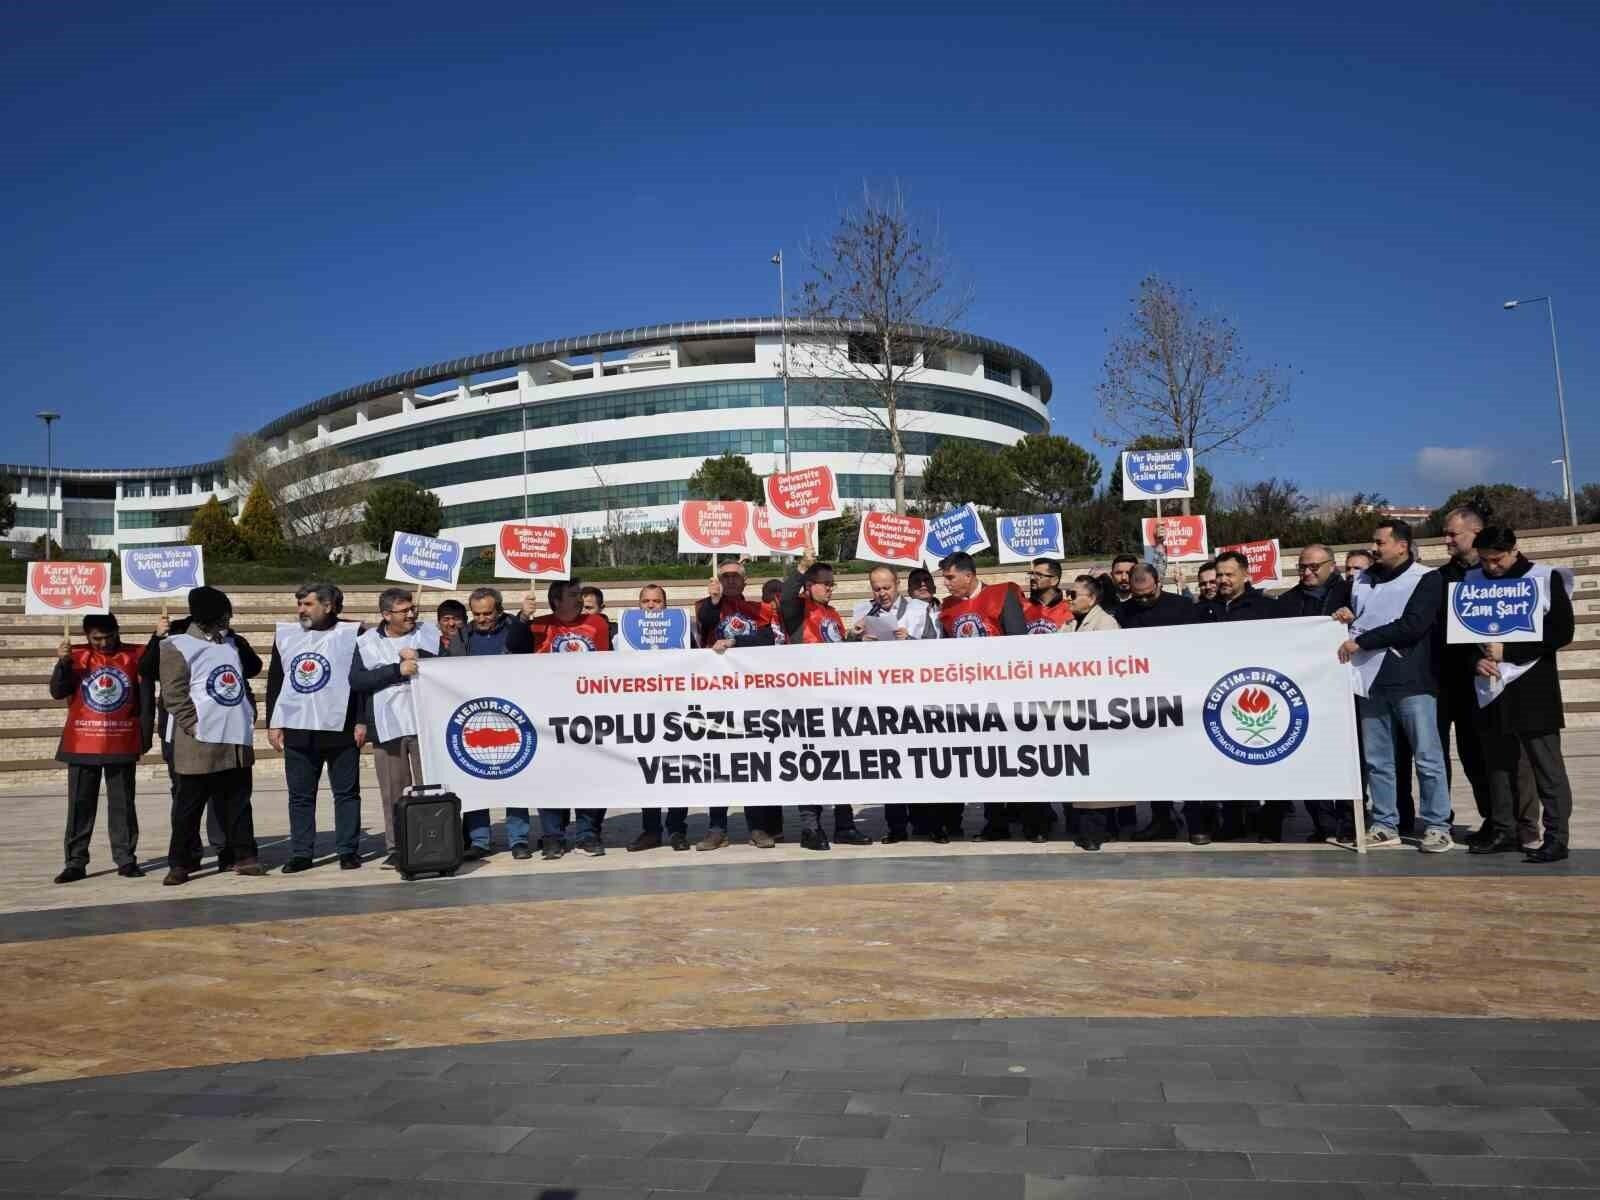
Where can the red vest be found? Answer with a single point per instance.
(770, 613)
(977, 615)
(1047, 618)
(551, 636)
(822, 624)
(103, 714)
(738, 617)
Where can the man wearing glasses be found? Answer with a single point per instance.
(1046, 609)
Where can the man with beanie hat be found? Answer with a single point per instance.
(213, 715)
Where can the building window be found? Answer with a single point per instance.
(169, 518)
(89, 525)
(996, 372)
(183, 485)
(160, 487)
(132, 489)
(35, 485)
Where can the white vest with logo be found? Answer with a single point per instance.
(1490, 690)
(316, 676)
(394, 709)
(1376, 605)
(224, 713)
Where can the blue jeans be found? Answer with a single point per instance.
(302, 770)
(475, 825)
(586, 823)
(1418, 718)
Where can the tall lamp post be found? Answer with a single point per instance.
(1561, 401)
(49, 418)
(783, 323)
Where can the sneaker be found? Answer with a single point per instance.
(131, 871)
(294, 866)
(552, 850)
(813, 839)
(1379, 838)
(521, 853)
(762, 840)
(475, 853)
(851, 837)
(1436, 841)
(71, 874)
(715, 839)
(591, 846)
(645, 841)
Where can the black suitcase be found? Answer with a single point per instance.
(427, 824)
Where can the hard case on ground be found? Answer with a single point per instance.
(427, 825)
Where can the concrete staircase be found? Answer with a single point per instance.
(30, 722)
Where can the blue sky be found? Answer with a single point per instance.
(214, 213)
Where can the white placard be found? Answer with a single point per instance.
(161, 572)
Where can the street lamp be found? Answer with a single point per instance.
(1562, 463)
(783, 322)
(49, 418)
(1561, 402)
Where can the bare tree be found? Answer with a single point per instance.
(319, 491)
(887, 281)
(1175, 372)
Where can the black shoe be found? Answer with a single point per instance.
(679, 840)
(552, 850)
(1088, 843)
(1199, 839)
(591, 846)
(71, 874)
(1037, 837)
(994, 833)
(393, 861)
(1500, 844)
(349, 862)
(1483, 833)
(1269, 836)
(521, 852)
(942, 838)
(850, 837)
(475, 853)
(1157, 831)
(295, 865)
(894, 836)
(130, 871)
(645, 841)
(225, 860)
(1549, 851)
(813, 839)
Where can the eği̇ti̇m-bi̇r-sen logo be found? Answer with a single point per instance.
(1256, 715)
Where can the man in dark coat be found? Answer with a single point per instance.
(1148, 607)
(1524, 718)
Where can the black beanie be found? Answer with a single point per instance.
(208, 606)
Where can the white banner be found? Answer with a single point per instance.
(1268, 717)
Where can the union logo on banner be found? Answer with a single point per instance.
(798, 497)
(890, 538)
(1256, 716)
(713, 525)
(490, 738)
(533, 552)
(55, 588)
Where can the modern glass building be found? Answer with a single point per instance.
(591, 432)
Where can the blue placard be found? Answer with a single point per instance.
(1157, 474)
(664, 630)
(161, 571)
(1023, 539)
(417, 558)
(958, 529)
(1494, 609)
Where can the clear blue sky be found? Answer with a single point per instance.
(215, 213)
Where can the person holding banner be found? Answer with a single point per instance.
(486, 632)
(1394, 606)
(1149, 606)
(975, 609)
(809, 619)
(1088, 821)
(386, 663)
(108, 728)
(213, 715)
(1519, 694)
(653, 599)
(1047, 609)
(313, 718)
(565, 629)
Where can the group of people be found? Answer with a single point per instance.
(334, 685)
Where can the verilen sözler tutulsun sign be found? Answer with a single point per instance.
(1023, 539)
(1017, 719)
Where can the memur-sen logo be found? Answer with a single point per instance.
(830, 630)
(309, 671)
(735, 626)
(970, 625)
(1042, 626)
(571, 642)
(490, 738)
(1256, 715)
(225, 686)
(106, 689)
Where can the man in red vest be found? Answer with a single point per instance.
(1047, 609)
(975, 609)
(106, 731)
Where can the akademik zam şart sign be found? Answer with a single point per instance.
(1195, 713)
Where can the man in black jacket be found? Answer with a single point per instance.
(1148, 607)
(1457, 704)
(1523, 720)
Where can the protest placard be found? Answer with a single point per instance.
(891, 539)
(667, 629)
(713, 526)
(160, 572)
(800, 497)
(954, 530)
(1178, 539)
(57, 589)
(1157, 474)
(765, 539)
(423, 560)
(1263, 556)
(525, 551)
(1023, 539)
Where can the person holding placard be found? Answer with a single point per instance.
(386, 663)
(314, 719)
(108, 727)
(1520, 712)
(206, 695)
(565, 629)
(1457, 706)
(653, 599)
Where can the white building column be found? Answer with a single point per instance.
(362, 412)
(408, 400)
